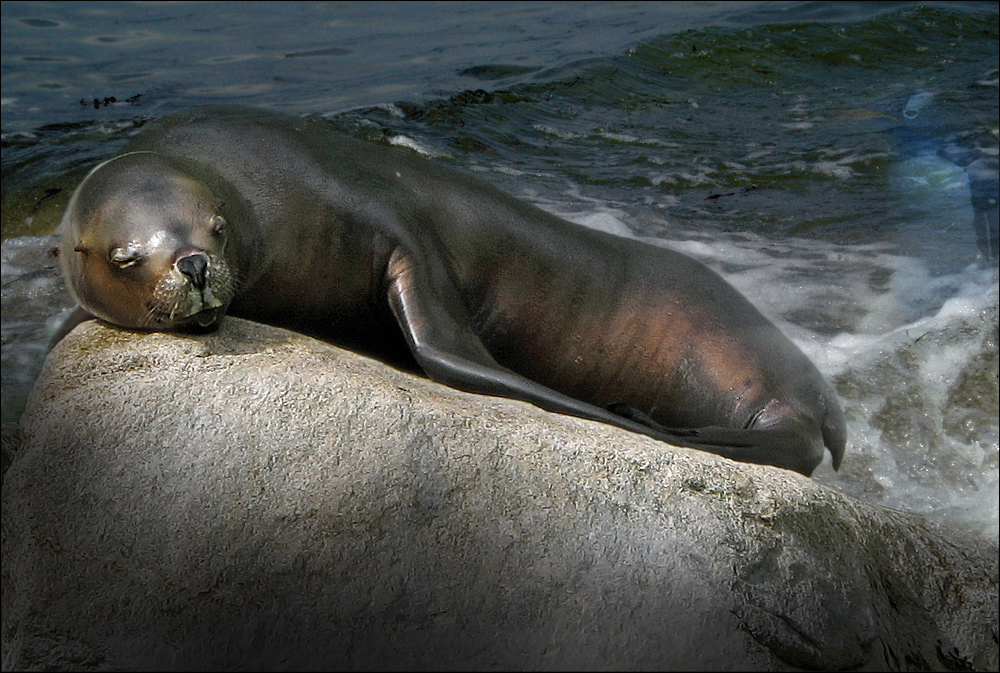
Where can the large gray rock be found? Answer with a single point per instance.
(257, 499)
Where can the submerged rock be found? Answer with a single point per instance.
(255, 499)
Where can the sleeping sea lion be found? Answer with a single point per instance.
(273, 218)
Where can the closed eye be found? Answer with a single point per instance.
(126, 256)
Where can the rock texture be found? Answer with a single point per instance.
(254, 499)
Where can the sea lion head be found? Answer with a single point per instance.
(144, 246)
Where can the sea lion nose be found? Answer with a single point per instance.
(194, 266)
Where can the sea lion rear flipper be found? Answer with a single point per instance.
(791, 448)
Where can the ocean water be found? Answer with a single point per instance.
(831, 160)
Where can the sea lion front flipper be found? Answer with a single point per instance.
(440, 335)
(75, 316)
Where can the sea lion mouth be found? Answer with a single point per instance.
(203, 321)
(208, 317)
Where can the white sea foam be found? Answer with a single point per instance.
(607, 220)
(421, 148)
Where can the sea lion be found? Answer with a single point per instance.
(277, 219)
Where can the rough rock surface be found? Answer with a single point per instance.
(254, 499)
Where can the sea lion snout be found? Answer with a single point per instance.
(196, 290)
(194, 265)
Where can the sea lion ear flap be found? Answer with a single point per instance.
(218, 223)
